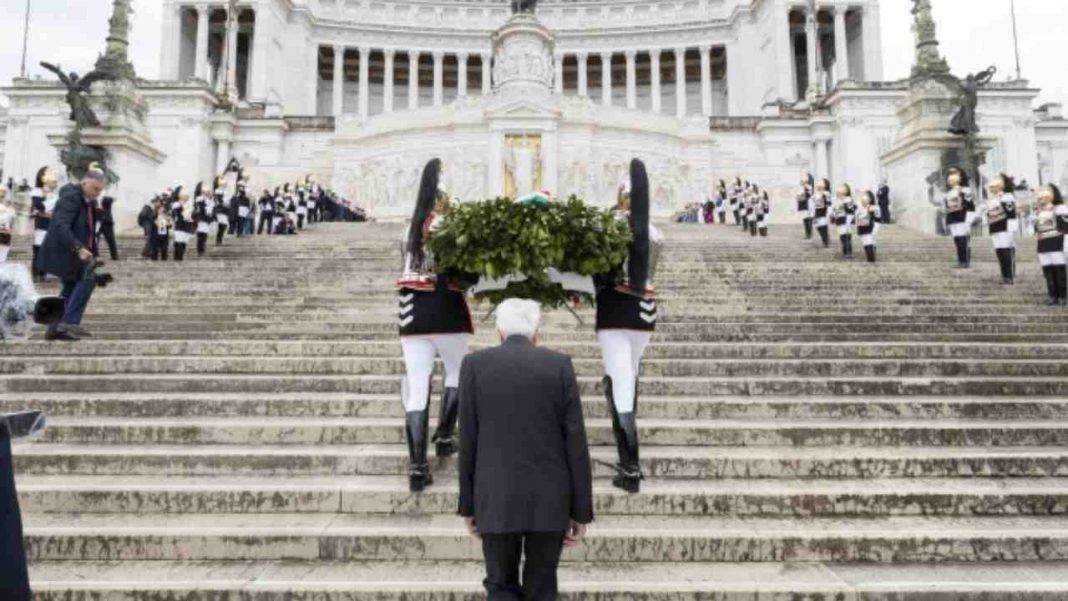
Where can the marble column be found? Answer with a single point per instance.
(811, 23)
(231, 52)
(784, 47)
(338, 107)
(654, 65)
(365, 84)
(171, 51)
(606, 78)
(461, 75)
(871, 32)
(558, 77)
(821, 158)
(260, 66)
(632, 80)
(387, 81)
(841, 45)
(583, 87)
(439, 69)
(680, 82)
(706, 80)
(487, 76)
(413, 79)
(202, 42)
(313, 72)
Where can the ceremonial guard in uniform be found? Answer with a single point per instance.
(302, 206)
(1000, 217)
(278, 222)
(626, 319)
(821, 205)
(959, 205)
(161, 230)
(763, 210)
(434, 321)
(843, 213)
(868, 218)
(752, 199)
(734, 198)
(721, 201)
(106, 226)
(222, 209)
(203, 215)
(184, 224)
(804, 203)
(42, 203)
(1051, 225)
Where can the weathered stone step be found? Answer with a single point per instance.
(322, 405)
(651, 368)
(307, 537)
(413, 580)
(673, 386)
(389, 495)
(92, 347)
(657, 461)
(653, 432)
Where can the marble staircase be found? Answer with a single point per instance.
(814, 430)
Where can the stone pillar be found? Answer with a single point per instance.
(822, 168)
(260, 68)
(439, 68)
(706, 81)
(583, 87)
(338, 106)
(841, 45)
(461, 75)
(231, 51)
(785, 52)
(606, 78)
(811, 39)
(871, 33)
(387, 82)
(413, 79)
(654, 65)
(202, 42)
(680, 82)
(365, 84)
(734, 81)
(313, 72)
(558, 78)
(487, 77)
(170, 49)
(632, 80)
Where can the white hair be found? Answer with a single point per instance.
(518, 317)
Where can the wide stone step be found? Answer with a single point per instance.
(657, 349)
(414, 580)
(389, 495)
(660, 386)
(652, 432)
(322, 405)
(347, 537)
(657, 461)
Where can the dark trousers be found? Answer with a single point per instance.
(14, 579)
(265, 221)
(503, 553)
(107, 232)
(220, 231)
(884, 211)
(159, 246)
(76, 295)
(202, 243)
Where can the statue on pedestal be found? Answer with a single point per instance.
(964, 123)
(77, 87)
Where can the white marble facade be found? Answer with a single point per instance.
(362, 92)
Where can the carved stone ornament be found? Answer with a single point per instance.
(523, 56)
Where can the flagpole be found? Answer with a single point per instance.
(25, 39)
(1015, 39)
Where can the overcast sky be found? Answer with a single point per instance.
(974, 35)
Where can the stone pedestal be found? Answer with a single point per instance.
(921, 153)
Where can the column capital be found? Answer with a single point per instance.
(365, 49)
(438, 55)
(630, 54)
(606, 55)
(462, 56)
(582, 55)
(654, 54)
(679, 52)
(389, 52)
(705, 48)
(202, 8)
(338, 47)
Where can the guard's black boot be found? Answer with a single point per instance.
(808, 228)
(444, 437)
(628, 471)
(825, 236)
(763, 232)
(961, 242)
(869, 253)
(417, 424)
(1060, 273)
(845, 245)
(1051, 284)
(1005, 263)
(752, 228)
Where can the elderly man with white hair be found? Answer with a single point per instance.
(525, 480)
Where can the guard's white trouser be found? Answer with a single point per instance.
(960, 230)
(3, 253)
(867, 240)
(621, 351)
(1003, 240)
(419, 354)
(1053, 258)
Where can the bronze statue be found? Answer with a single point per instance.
(77, 88)
(524, 6)
(964, 122)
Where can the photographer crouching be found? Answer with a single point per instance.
(69, 251)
